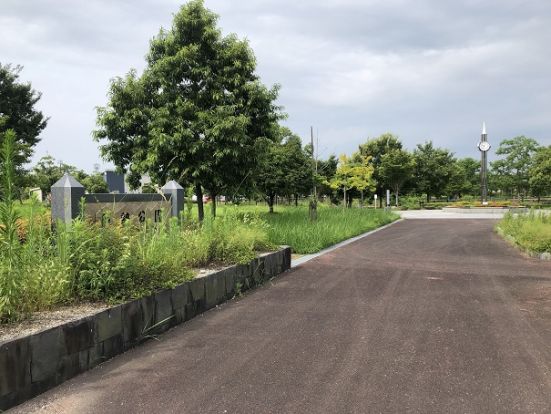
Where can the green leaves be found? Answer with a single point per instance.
(355, 172)
(540, 172)
(18, 113)
(396, 168)
(513, 168)
(433, 169)
(286, 167)
(196, 113)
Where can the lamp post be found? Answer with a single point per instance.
(483, 147)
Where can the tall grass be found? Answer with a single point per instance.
(530, 231)
(292, 226)
(84, 261)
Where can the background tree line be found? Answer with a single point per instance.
(200, 115)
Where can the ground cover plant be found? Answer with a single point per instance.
(531, 232)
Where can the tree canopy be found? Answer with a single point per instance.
(198, 114)
(540, 172)
(375, 148)
(19, 114)
(354, 172)
(433, 169)
(47, 171)
(395, 168)
(286, 168)
(515, 165)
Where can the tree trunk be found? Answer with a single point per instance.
(362, 198)
(213, 205)
(396, 189)
(200, 210)
(428, 198)
(313, 209)
(344, 198)
(271, 202)
(296, 200)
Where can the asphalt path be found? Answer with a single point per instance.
(426, 316)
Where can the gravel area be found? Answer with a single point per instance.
(39, 321)
(43, 320)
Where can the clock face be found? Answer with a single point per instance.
(484, 146)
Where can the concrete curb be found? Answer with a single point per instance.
(308, 257)
(485, 210)
(32, 364)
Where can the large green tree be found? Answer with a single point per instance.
(375, 148)
(198, 114)
(286, 169)
(464, 178)
(396, 168)
(326, 170)
(353, 173)
(540, 173)
(18, 113)
(516, 161)
(433, 169)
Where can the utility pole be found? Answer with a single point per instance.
(483, 147)
(313, 206)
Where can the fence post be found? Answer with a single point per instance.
(66, 195)
(176, 193)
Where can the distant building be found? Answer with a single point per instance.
(115, 181)
(36, 192)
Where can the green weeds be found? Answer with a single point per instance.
(84, 261)
(291, 225)
(531, 232)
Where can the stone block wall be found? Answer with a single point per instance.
(33, 364)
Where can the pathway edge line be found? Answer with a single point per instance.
(306, 258)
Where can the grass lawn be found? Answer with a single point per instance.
(531, 232)
(290, 225)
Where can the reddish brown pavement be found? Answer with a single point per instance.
(426, 316)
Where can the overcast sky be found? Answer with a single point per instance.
(422, 69)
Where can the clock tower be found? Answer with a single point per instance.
(483, 147)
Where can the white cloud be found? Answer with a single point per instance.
(424, 69)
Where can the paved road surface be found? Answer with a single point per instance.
(427, 316)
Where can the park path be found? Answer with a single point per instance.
(426, 316)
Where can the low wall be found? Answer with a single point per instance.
(485, 210)
(33, 364)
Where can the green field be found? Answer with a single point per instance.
(290, 225)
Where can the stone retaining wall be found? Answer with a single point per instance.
(33, 364)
